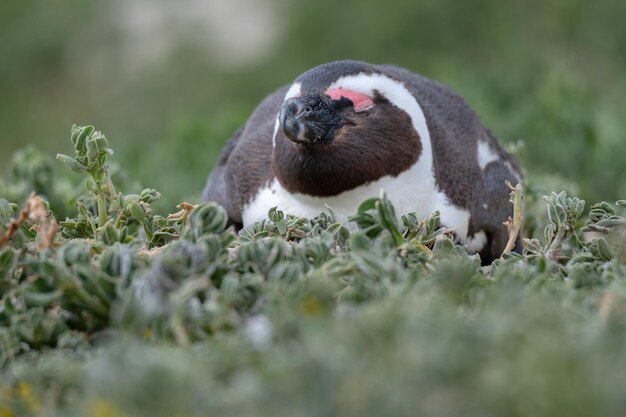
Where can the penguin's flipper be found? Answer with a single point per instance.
(216, 187)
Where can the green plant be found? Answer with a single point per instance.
(127, 312)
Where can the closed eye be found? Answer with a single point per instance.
(360, 101)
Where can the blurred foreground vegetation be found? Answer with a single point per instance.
(120, 311)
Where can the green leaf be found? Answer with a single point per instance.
(137, 211)
(206, 218)
(367, 205)
(8, 262)
(149, 195)
(71, 163)
(360, 241)
(79, 137)
(33, 299)
(97, 146)
(275, 215)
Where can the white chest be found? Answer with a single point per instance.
(412, 191)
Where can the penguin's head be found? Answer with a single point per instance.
(344, 124)
(318, 107)
(315, 118)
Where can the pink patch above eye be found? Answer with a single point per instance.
(360, 101)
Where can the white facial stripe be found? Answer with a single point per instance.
(276, 125)
(294, 91)
(397, 94)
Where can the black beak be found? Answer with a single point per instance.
(309, 120)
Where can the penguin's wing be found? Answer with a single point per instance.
(245, 163)
(216, 187)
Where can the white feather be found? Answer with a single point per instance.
(477, 242)
(486, 155)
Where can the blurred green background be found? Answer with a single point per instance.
(169, 82)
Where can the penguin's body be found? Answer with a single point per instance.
(345, 131)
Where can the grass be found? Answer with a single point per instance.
(125, 311)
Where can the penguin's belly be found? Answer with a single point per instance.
(411, 191)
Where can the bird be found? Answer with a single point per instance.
(345, 131)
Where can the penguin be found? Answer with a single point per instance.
(344, 131)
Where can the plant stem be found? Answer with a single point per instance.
(102, 210)
(555, 246)
(514, 224)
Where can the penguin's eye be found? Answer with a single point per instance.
(360, 101)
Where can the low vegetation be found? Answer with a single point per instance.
(108, 308)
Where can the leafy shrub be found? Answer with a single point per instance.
(117, 310)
